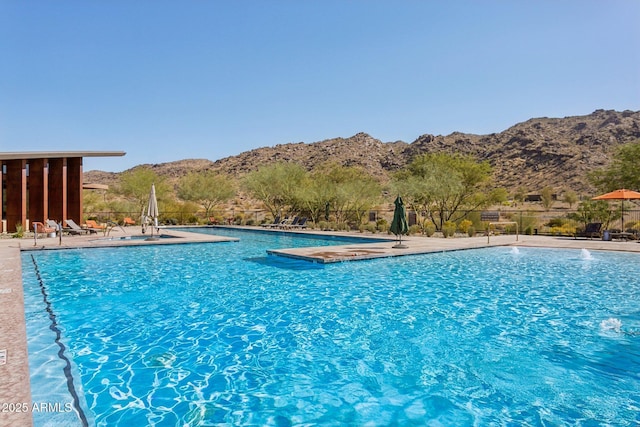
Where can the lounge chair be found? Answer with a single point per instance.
(128, 221)
(40, 228)
(591, 230)
(73, 228)
(289, 224)
(302, 223)
(92, 224)
(276, 222)
(52, 224)
(280, 223)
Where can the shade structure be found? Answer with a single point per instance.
(399, 224)
(152, 209)
(621, 194)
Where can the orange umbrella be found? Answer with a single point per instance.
(622, 194)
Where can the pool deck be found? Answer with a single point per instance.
(14, 367)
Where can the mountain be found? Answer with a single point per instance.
(540, 152)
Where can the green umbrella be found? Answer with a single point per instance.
(399, 224)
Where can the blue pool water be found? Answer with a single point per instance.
(221, 334)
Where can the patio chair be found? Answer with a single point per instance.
(51, 224)
(73, 228)
(290, 224)
(40, 228)
(91, 223)
(280, 223)
(302, 223)
(276, 221)
(128, 221)
(591, 230)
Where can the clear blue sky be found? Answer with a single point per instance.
(171, 80)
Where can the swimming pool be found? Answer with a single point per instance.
(215, 334)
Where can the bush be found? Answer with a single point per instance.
(471, 231)
(556, 222)
(382, 225)
(414, 229)
(464, 225)
(372, 228)
(19, 234)
(429, 230)
(448, 229)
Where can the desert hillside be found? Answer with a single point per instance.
(540, 152)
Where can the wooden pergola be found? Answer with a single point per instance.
(35, 186)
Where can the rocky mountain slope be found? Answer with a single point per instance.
(540, 152)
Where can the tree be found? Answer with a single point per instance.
(314, 193)
(446, 187)
(623, 172)
(356, 191)
(570, 197)
(135, 185)
(547, 197)
(594, 211)
(207, 189)
(349, 191)
(275, 185)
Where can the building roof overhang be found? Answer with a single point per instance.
(26, 155)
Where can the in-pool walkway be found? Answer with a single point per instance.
(14, 363)
(416, 245)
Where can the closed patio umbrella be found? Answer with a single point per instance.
(622, 194)
(152, 209)
(399, 224)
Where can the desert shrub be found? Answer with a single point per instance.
(556, 222)
(371, 228)
(471, 231)
(415, 229)
(563, 230)
(19, 234)
(429, 230)
(448, 229)
(634, 226)
(382, 225)
(464, 225)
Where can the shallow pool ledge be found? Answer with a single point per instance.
(15, 392)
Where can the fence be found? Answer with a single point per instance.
(555, 221)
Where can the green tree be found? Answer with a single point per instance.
(349, 191)
(622, 172)
(276, 185)
(446, 187)
(356, 191)
(547, 197)
(135, 185)
(207, 189)
(595, 211)
(315, 191)
(570, 197)
(520, 194)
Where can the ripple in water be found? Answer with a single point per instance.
(515, 251)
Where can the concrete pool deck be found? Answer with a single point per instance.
(15, 393)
